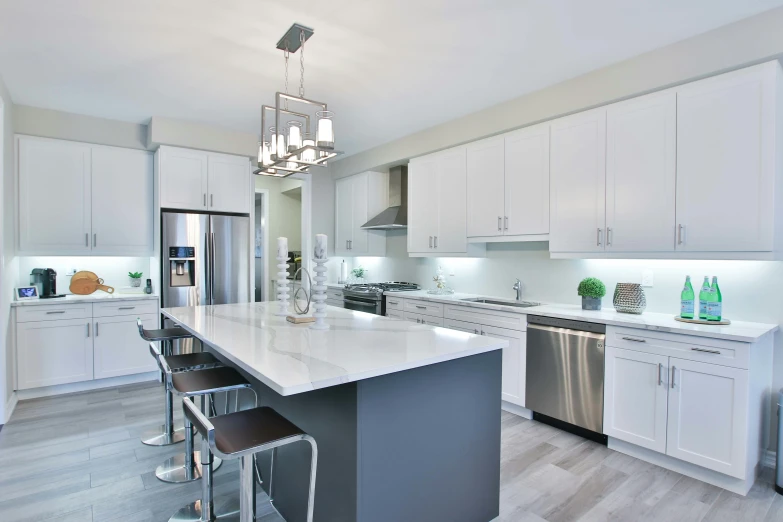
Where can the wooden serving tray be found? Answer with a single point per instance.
(722, 322)
(299, 319)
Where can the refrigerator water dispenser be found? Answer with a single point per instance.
(182, 266)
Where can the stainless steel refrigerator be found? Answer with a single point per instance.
(206, 259)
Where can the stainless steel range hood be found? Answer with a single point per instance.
(396, 216)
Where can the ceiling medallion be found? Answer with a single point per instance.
(292, 145)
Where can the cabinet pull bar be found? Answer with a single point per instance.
(96, 328)
(211, 200)
(436, 241)
(205, 199)
(86, 239)
(660, 379)
(717, 352)
(392, 302)
(598, 236)
(673, 370)
(421, 307)
(680, 234)
(126, 308)
(498, 223)
(475, 331)
(634, 339)
(57, 312)
(430, 241)
(88, 329)
(505, 225)
(608, 236)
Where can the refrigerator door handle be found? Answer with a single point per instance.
(212, 268)
(206, 267)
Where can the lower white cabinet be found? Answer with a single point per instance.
(514, 359)
(424, 319)
(118, 348)
(53, 352)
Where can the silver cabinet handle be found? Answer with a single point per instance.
(88, 329)
(95, 239)
(505, 226)
(57, 312)
(598, 236)
(716, 352)
(634, 339)
(211, 200)
(346, 244)
(86, 239)
(392, 302)
(96, 328)
(350, 244)
(436, 241)
(421, 307)
(475, 331)
(660, 379)
(499, 224)
(430, 241)
(673, 370)
(680, 234)
(126, 308)
(205, 199)
(608, 236)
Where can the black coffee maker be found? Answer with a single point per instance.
(46, 281)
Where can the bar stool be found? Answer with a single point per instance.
(166, 434)
(186, 467)
(241, 435)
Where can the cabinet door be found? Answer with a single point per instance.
(450, 190)
(361, 192)
(422, 204)
(118, 348)
(485, 187)
(183, 179)
(514, 358)
(462, 326)
(54, 196)
(726, 161)
(578, 182)
(343, 216)
(229, 184)
(423, 319)
(635, 394)
(53, 352)
(122, 203)
(708, 415)
(641, 150)
(527, 181)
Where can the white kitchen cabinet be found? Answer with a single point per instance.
(359, 198)
(463, 326)
(526, 198)
(422, 203)
(53, 352)
(54, 196)
(635, 397)
(486, 187)
(122, 201)
(708, 415)
(578, 182)
(423, 319)
(118, 349)
(514, 359)
(641, 157)
(727, 161)
(184, 178)
(228, 181)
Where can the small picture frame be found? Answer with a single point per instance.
(26, 293)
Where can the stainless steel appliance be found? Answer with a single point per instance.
(396, 216)
(369, 297)
(564, 383)
(206, 259)
(46, 281)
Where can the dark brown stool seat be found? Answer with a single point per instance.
(203, 382)
(247, 429)
(191, 361)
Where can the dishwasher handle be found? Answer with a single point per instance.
(567, 331)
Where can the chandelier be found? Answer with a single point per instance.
(303, 133)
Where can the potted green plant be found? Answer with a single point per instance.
(591, 290)
(359, 272)
(135, 279)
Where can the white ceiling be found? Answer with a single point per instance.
(387, 68)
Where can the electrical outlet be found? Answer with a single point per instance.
(647, 278)
(71, 271)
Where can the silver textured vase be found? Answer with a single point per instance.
(629, 298)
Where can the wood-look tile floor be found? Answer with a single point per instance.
(78, 458)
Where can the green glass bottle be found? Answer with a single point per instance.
(687, 298)
(703, 296)
(715, 302)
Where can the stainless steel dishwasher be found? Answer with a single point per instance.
(564, 383)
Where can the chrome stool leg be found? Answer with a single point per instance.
(165, 435)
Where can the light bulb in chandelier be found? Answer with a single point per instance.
(294, 135)
(308, 155)
(325, 129)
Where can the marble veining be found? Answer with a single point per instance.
(293, 358)
(92, 298)
(737, 331)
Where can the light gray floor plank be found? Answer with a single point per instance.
(78, 458)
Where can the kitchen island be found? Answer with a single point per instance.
(406, 416)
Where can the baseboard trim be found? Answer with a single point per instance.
(61, 389)
(10, 405)
(735, 485)
(520, 411)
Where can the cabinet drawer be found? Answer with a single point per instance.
(424, 319)
(715, 351)
(134, 308)
(27, 314)
(423, 307)
(395, 303)
(334, 293)
(394, 314)
(494, 318)
(462, 326)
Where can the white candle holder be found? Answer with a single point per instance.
(282, 287)
(319, 295)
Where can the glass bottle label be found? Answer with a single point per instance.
(714, 309)
(686, 306)
(702, 307)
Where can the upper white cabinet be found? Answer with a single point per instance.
(76, 198)
(197, 180)
(728, 172)
(359, 198)
(508, 185)
(578, 183)
(437, 204)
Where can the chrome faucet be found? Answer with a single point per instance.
(518, 287)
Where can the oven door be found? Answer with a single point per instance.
(362, 304)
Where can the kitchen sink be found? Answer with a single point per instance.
(517, 304)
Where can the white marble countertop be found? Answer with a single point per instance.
(293, 359)
(92, 298)
(737, 331)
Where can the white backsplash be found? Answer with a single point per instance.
(113, 270)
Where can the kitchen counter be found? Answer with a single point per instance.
(737, 331)
(92, 298)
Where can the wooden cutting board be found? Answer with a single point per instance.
(87, 286)
(86, 274)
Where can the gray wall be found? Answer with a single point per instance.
(748, 41)
(8, 261)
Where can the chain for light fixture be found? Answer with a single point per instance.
(301, 63)
(286, 53)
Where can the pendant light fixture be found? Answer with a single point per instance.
(304, 136)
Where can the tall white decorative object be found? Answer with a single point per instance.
(282, 276)
(319, 288)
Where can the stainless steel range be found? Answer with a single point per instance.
(369, 297)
